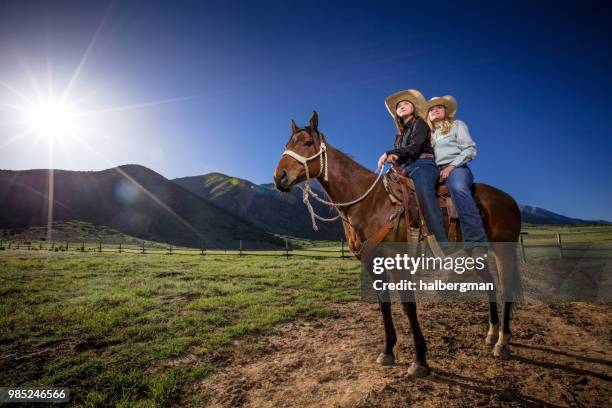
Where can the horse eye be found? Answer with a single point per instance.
(308, 143)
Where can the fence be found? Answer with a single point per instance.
(339, 252)
(565, 243)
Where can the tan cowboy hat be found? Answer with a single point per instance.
(411, 95)
(449, 102)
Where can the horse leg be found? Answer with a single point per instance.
(501, 348)
(485, 275)
(492, 333)
(419, 368)
(387, 357)
(505, 258)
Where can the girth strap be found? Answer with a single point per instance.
(382, 232)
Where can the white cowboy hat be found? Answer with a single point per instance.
(449, 102)
(411, 95)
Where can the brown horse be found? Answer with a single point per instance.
(344, 180)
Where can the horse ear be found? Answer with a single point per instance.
(314, 121)
(294, 127)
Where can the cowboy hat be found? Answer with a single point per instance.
(411, 95)
(449, 102)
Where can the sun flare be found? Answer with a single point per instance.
(51, 118)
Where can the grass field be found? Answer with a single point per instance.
(112, 325)
(109, 325)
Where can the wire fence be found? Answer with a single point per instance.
(563, 243)
(530, 245)
(340, 251)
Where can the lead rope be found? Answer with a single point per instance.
(307, 190)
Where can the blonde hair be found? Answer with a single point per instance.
(444, 127)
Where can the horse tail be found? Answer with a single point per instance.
(508, 272)
(502, 221)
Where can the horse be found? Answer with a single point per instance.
(308, 155)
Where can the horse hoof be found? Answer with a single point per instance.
(417, 370)
(385, 359)
(501, 351)
(491, 339)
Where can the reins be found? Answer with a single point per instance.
(414, 234)
(323, 169)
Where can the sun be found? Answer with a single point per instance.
(51, 118)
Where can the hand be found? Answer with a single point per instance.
(382, 159)
(447, 170)
(392, 158)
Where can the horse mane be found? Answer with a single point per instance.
(348, 158)
(343, 155)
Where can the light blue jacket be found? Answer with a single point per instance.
(456, 147)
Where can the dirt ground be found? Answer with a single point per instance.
(561, 356)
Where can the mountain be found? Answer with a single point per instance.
(213, 210)
(132, 199)
(535, 215)
(284, 213)
(263, 205)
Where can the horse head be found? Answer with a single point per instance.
(303, 156)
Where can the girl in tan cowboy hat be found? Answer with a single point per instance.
(414, 152)
(454, 148)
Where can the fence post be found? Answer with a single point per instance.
(286, 248)
(240, 251)
(560, 244)
(169, 249)
(143, 249)
(342, 248)
(120, 247)
(522, 246)
(39, 245)
(82, 246)
(66, 245)
(99, 246)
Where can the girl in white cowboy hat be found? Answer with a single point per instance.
(413, 150)
(454, 148)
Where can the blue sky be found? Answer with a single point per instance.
(531, 78)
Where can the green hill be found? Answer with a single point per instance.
(262, 205)
(131, 199)
(74, 231)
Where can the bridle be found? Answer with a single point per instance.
(323, 169)
(383, 231)
(321, 154)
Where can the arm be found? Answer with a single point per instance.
(398, 136)
(465, 144)
(418, 141)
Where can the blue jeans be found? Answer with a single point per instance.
(458, 182)
(425, 174)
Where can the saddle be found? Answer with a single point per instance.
(401, 190)
(398, 184)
